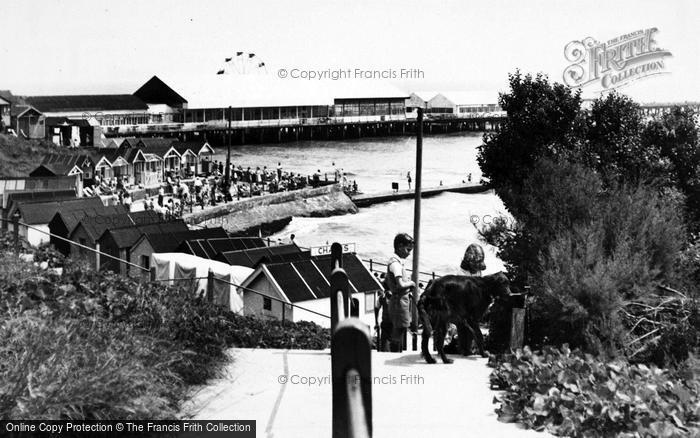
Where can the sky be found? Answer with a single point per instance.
(95, 46)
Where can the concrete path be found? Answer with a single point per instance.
(410, 397)
(367, 199)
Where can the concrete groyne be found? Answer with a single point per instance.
(365, 200)
(249, 214)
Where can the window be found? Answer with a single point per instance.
(146, 262)
(267, 303)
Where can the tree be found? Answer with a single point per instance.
(543, 120)
(613, 144)
(676, 137)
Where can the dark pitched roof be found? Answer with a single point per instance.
(182, 148)
(96, 225)
(210, 248)
(153, 143)
(157, 91)
(8, 96)
(65, 121)
(71, 216)
(309, 279)
(20, 110)
(268, 254)
(360, 278)
(169, 242)
(37, 195)
(126, 237)
(62, 164)
(94, 102)
(42, 212)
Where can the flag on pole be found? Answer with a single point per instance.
(239, 53)
(228, 59)
(262, 64)
(250, 55)
(220, 72)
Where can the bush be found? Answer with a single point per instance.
(577, 395)
(591, 270)
(18, 156)
(88, 345)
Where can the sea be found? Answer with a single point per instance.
(449, 221)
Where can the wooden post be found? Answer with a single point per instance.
(351, 370)
(339, 283)
(517, 321)
(15, 231)
(210, 286)
(416, 223)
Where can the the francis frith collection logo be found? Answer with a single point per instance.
(616, 62)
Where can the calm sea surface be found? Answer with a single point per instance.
(446, 220)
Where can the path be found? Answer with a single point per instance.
(410, 397)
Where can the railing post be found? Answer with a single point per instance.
(210, 286)
(371, 266)
(339, 291)
(15, 231)
(351, 373)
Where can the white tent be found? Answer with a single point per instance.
(176, 267)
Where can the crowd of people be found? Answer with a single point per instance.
(179, 196)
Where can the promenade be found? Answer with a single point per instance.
(410, 398)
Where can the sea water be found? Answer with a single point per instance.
(449, 221)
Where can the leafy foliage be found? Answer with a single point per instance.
(88, 345)
(613, 143)
(676, 136)
(543, 120)
(574, 394)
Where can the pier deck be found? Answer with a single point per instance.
(365, 200)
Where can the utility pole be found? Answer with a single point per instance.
(416, 222)
(227, 171)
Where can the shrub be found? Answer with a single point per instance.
(593, 269)
(577, 395)
(86, 345)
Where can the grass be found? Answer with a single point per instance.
(94, 345)
(18, 156)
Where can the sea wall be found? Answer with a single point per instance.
(248, 214)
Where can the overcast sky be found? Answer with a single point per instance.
(89, 46)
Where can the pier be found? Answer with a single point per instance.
(365, 200)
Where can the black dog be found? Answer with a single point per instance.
(461, 300)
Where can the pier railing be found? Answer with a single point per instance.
(351, 365)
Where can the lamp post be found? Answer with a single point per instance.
(416, 220)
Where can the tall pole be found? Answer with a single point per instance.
(416, 220)
(227, 171)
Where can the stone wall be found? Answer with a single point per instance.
(239, 216)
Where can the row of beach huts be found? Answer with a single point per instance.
(143, 162)
(245, 274)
